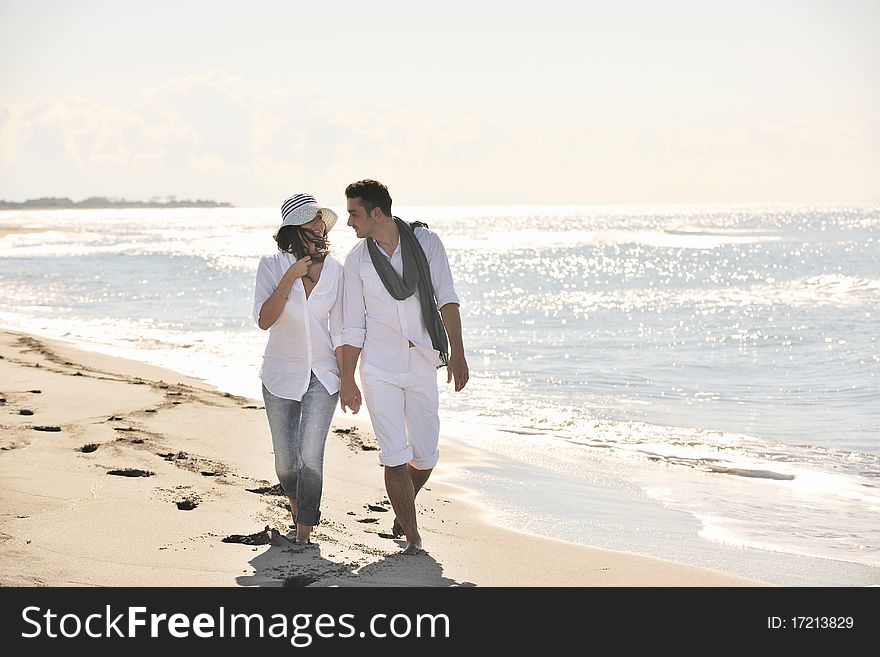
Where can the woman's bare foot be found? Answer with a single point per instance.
(303, 532)
(292, 503)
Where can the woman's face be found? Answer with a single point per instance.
(315, 226)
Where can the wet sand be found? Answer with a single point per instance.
(119, 473)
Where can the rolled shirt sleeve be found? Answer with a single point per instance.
(441, 273)
(354, 313)
(264, 287)
(336, 316)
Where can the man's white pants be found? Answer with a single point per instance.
(404, 409)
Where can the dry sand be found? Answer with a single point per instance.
(118, 473)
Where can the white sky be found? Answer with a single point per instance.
(627, 101)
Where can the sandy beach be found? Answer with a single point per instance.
(118, 473)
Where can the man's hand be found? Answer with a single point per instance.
(349, 395)
(457, 368)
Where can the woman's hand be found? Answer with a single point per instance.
(298, 269)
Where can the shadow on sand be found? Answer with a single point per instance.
(285, 563)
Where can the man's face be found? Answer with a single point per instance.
(359, 218)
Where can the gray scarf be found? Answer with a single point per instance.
(416, 274)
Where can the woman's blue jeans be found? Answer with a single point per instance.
(299, 433)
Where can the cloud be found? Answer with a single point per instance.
(212, 113)
(211, 136)
(772, 140)
(199, 127)
(79, 131)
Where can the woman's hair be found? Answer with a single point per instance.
(295, 240)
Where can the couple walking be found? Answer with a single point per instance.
(391, 306)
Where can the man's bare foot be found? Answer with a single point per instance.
(412, 548)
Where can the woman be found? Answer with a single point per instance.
(298, 299)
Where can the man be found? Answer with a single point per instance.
(396, 278)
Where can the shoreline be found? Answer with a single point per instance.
(68, 518)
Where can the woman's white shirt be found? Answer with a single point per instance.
(307, 332)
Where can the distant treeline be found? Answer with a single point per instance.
(52, 203)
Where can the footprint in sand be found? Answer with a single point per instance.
(25, 411)
(187, 504)
(131, 472)
(268, 490)
(46, 428)
(87, 449)
(173, 456)
(205, 467)
(13, 445)
(356, 441)
(259, 538)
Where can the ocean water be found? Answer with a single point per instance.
(642, 378)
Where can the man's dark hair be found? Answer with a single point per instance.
(293, 239)
(372, 194)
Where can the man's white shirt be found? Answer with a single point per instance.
(378, 323)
